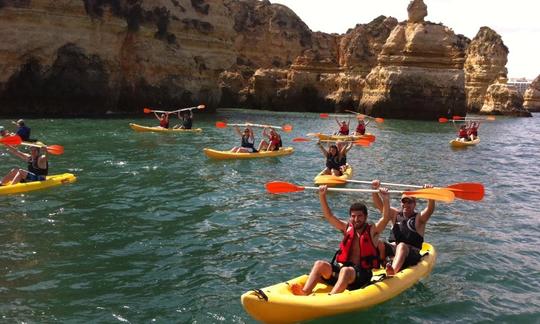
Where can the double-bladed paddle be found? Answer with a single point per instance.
(53, 149)
(459, 118)
(361, 142)
(286, 128)
(368, 137)
(11, 140)
(149, 110)
(362, 116)
(439, 194)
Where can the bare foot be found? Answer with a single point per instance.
(297, 289)
(389, 270)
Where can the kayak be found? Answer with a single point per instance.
(277, 304)
(320, 178)
(158, 129)
(224, 155)
(51, 181)
(456, 143)
(342, 137)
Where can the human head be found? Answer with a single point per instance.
(333, 150)
(344, 123)
(2, 131)
(246, 131)
(20, 122)
(358, 214)
(408, 204)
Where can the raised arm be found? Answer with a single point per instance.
(323, 150)
(428, 211)
(337, 121)
(367, 122)
(378, 202)
(333, 220)
(17, 153)
(385, 216)
(237, 130)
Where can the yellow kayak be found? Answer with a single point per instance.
(321, 177)
(277, 304)
(158, 129)
(342, 137)
(224, 155)
(456, 143)
(51, 181)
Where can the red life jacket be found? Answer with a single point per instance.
(369, 254)
(164, 123)
(361, 129)
(462, 133)
(343, 130)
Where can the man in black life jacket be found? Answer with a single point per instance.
(408, 228)
(357, 254)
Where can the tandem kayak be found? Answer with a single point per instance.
(343, 137)
(224, 155)
(277, 304)
(456, 143)
(320, 179)
(158, 129)
(51, 181)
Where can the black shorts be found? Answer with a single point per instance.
(412, 258)
(362, 277)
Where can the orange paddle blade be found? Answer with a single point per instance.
(490, 117)
(55, 149)
(379, 120)
(467, 190)
(147, 110)
(443, 120)
(301, 139)
(369, 138)
(279, 187)
(11, 140)
(220, 124)
(201, 106)
(286, 128)
(362, 142)
(323, 115)
(439, 194)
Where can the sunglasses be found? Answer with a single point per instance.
(406, 201)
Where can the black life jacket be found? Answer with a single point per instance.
(332, 162)
(187, 122)
(33, 167)
(246, 143)
(404, 230)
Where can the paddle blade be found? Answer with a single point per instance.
(286, 128)
(457, 118)
(301, 139)
(362, 142)
(443, 120)
(279, 187)
(147, 110)
(220, 124)
(369, 138)
(490, 118)
(55, 149)
(11, 140)
(439, 194)
(379, 120)
(467, 190)
(201, 106)
(323, 115)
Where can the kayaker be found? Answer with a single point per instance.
(361, 127)
(462, 133)
(3, 132)
(187, 120)
(351, 267)
(343, 127)
(38, 166)
(23, 131)
(343, 149)
(472, 130)
(333, 159)
(248, 141)
(163, 119)
(408, 228)
(274, 140)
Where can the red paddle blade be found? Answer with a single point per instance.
(468, 190)
(220, 124)
(457, 118)
(369, 138)
(301, 139)
(147, 110)
(279, 187)
(201, 106)
(286, 128)
(11, 140)
(324, 115)
(55, 149)
(443, 120)
(379, 120)
(362, 142)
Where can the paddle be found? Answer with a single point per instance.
(459, 118)
(443, 195)
(361, 142)
(464, 190)
(286, 128)
(53, 149)
(148, 110)
(369, 137)
(362, 116)
(11, 140)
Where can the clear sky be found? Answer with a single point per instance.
(517, 21)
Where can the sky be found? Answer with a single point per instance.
(517, 21)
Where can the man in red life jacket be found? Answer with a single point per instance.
(343, 127)
(357, 254)
(361, 127)
(163, 119)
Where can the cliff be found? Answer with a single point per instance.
(532, 96)
(502, 99)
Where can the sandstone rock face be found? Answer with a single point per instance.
(532, 96)
(502, 99)
(417, 11)
(485, 62)
(420, 74)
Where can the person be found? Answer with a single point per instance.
(462, 133)
(274, 140)
(407, 234)
(248, 141)
(3, 132)
(163, 119)
(38, 166)
(343, 149)
(334, 159)
(361, 127)
(351, 267)
(343, 127)
(186, 117)
(23, 131)
(472, 130)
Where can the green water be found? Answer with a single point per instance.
(154, 231)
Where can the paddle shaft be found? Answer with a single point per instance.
(355, 190)
(256, 125)
(387, 184)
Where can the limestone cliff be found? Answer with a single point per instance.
(532, 96)
(485, 61)
(502, 99)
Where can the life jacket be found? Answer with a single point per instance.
(187, 122)
(473, 131)
(343, 160)
(361, 129)
(246, 142)
(343, 130)
(164, 123)
(35, 169)
(332, 162)
(369, 254)
(276, 141)
(404, 230)
(462, 133)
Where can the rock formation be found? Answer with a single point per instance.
(532, 96)
(502, 99)
(485, 61)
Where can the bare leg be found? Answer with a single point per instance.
(346, 277)
(8, 178)
(320, 269)
(402, 250)
(263, 145)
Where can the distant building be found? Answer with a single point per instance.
(521, 84)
